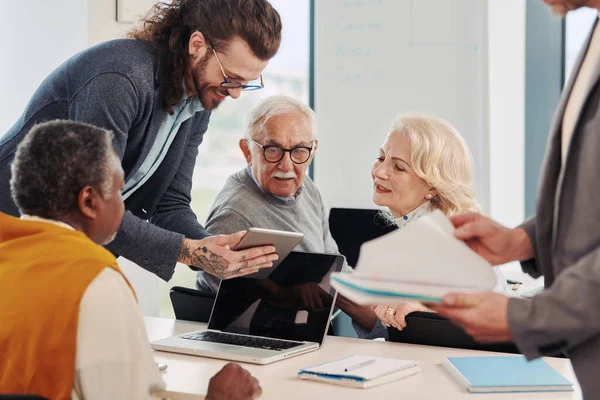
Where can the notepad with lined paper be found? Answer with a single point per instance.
(498, 374)
(360, 371)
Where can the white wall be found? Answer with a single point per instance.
(497, 141)
(36, 36)
(102, 21)
(375, 60)
(507, 119)
(507, 110)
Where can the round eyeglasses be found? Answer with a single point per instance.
(274, 154)
(231, 84)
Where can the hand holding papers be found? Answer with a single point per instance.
(423, 261)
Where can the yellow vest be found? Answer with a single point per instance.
(44, 271)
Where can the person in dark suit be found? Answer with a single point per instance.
(560, 242)
(155, 91)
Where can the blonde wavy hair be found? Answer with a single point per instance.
(441, 157)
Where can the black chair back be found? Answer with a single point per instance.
(191, 304)
(434, 330)
(351, 227)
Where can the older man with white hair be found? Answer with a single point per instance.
(274, 191)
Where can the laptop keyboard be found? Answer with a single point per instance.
(239, 340)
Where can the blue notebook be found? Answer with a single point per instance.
(505, 374)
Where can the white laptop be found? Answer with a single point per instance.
(263, 320)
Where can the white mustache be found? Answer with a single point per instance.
(284, 175)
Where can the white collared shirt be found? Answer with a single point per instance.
(577, 97)
(415, 214)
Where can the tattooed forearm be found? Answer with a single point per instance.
(185, 253)
(210, 262)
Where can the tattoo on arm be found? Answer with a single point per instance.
(185, 253)
(210, 262)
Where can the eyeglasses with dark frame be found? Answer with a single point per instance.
(231, 84)
(298, 154)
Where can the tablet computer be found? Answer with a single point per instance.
(283, 241)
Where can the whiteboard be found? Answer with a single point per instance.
(377, 58)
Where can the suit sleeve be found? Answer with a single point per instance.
(531, 266)
(562, 316)
(149, 246)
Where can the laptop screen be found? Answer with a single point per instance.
(293, 302)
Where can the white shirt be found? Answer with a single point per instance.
(583, 81)
(113, 359)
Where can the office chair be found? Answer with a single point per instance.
(191, 304)
(351, 227)
(434, 330)
(21, 397)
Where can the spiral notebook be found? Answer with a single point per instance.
(361, 371)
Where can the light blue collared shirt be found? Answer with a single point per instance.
(182, 111)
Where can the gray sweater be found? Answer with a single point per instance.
(242, 204)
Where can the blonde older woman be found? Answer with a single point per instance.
(423, 165)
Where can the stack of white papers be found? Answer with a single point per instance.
(422, 261)
(361, 371)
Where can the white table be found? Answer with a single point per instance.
(191, 374)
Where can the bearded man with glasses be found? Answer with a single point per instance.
(273, 191)
(155, 92)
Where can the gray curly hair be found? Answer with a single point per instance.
(274, 106)
(54, 162)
